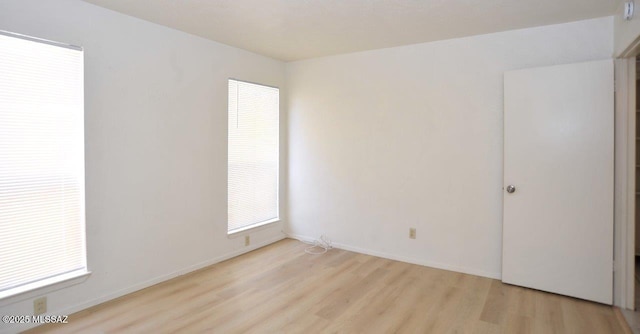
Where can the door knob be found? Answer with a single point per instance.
(511, 189)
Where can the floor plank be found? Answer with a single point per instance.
(280, 288)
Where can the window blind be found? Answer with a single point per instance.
(253, 155)
(42, 226)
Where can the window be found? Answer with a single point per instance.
(253, 155)
(42, 226)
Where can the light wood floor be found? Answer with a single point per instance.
(633, 317)
(280, 288)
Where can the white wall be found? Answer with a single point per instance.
(156, 138)
(384, 140)
(625, 32)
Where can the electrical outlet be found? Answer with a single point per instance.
(40, 306)
(412, 233)
(247, 240)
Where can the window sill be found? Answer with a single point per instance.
(43, 287)
(251, 228)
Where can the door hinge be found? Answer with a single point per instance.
(614, 265)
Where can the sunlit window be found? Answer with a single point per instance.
(253, 155)
(42, 212)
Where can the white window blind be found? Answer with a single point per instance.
(42, 226)
(253, 155)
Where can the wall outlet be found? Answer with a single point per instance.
(412, 233)
(247, 240)
(40, 306)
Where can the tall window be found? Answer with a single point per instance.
(253, 155)
(42, 225)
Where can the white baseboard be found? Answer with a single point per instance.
(406, 259)
(146, 284)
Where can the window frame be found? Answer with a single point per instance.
(63, 279)
(262, 224)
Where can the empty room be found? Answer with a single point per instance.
(307, 166)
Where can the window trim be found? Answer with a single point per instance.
(253, 83)
(43, 287)
(40, 40)
(253, 227)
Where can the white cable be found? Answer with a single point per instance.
(324, 244)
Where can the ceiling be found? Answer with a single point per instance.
(299, 29)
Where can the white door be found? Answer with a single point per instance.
(558, 156)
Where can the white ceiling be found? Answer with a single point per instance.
(298, 29)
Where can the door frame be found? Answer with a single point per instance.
(625, 176)
(624, 179)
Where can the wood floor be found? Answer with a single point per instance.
(633, 317)
(281, 289)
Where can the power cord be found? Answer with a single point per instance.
(318, 246)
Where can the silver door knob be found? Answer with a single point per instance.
(511, 189)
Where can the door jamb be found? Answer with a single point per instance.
(625, 167)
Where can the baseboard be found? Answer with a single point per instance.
(406, 259)
(148, 283)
